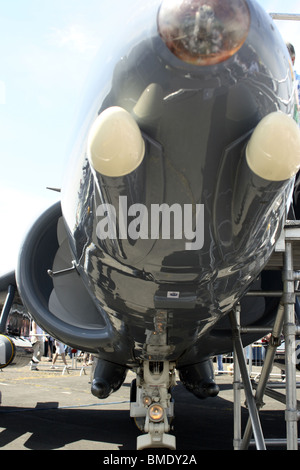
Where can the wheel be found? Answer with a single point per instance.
(139, 422)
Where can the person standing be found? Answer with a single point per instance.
(59, 351)
(220, 363)
(37, 341)
(292, 53)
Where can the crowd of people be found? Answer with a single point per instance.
(45, 346)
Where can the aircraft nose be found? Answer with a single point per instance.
(204, 32)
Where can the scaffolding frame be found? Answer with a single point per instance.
(284, 323)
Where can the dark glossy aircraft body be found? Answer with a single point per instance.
(166, 217)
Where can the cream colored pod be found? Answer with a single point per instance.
(115, 143)
(273, 151)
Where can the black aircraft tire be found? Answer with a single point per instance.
(138, 422)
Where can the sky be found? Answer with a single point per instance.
(47, 48)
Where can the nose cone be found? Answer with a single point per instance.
(204, 32)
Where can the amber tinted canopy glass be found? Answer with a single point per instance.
(204, 32)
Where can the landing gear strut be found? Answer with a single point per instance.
(152, 406)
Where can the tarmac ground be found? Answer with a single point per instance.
(53, 409)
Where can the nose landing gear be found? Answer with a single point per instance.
(151, 404)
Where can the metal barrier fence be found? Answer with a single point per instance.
(255, 355)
